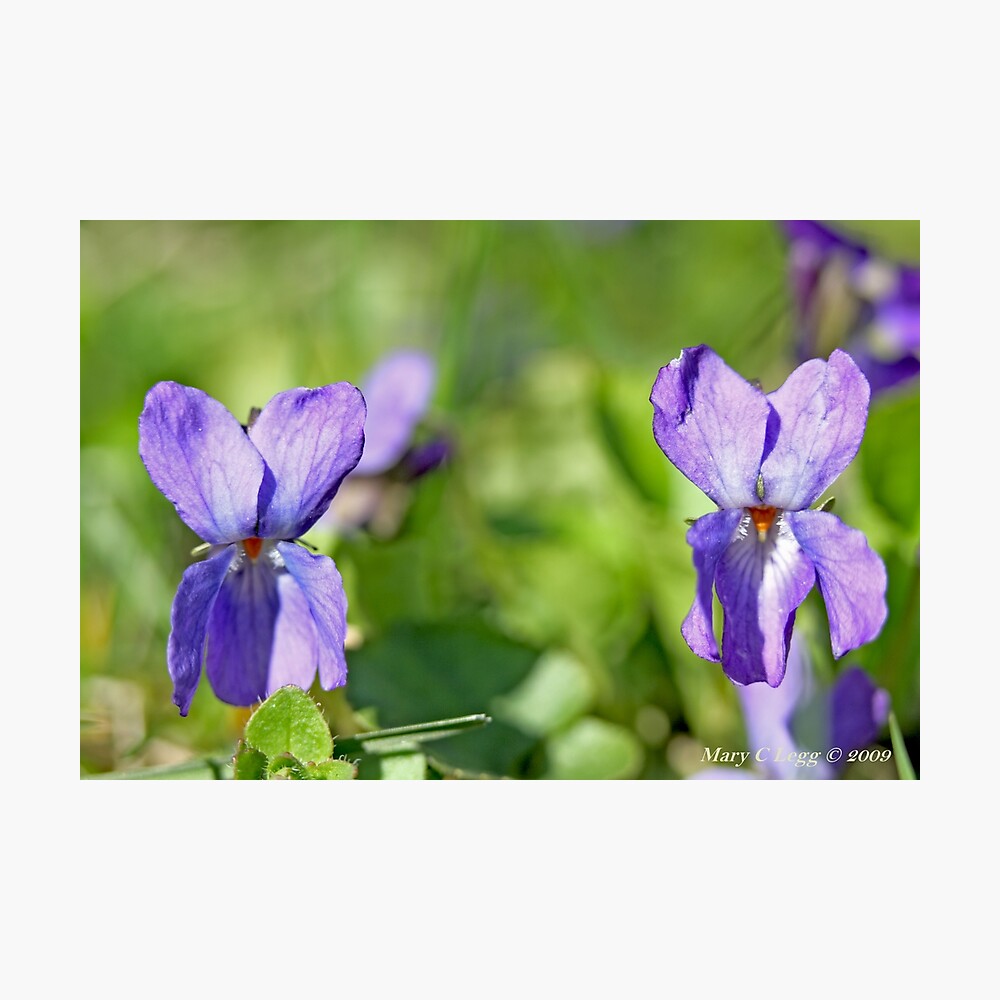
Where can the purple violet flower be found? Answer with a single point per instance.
(791, 728)
(845, 295)
(269, 612)
(764, 459)
(397, 392)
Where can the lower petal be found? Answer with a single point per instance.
(760, 584)
(241, 633)
(189, 615)
(709, 536)
(323, 590)
(851, 577)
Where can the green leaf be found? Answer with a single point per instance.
(594, 748)
(249, 763)
(442, 670)
(290, 722)
(558, 690)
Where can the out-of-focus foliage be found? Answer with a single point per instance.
(541, 575)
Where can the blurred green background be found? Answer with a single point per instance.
(541, 575)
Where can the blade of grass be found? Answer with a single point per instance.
(903, 764)
(406, 737)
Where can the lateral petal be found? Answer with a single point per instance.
(323, 589)
(710, 423)
(189, 616)
(819, 418)
(760, 584)
(310, 439)
(851, 577)
(709, 537)
(294, 655)
(200, 459)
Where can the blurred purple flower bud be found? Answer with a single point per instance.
(846, 296)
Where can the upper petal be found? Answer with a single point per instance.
(310, 440)
(709, 536)
(192, 606)
(710, 423)
(200, 459)
(760, 584)
(851, 577)
(819, 419)
(323, 589)
(396, 392)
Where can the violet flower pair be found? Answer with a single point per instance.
(260, 610)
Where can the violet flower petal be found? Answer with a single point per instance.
(397, 392)
(851, 577)
(819, 419)
(189, 615)
(241, 633)
(200, 459)
(709, 537)
(324, 591)
(310, 439)
(760, 584)
(858, 710)
(710, 423)
(294, 655)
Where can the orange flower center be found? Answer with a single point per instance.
(252, 546)
(763, 518)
